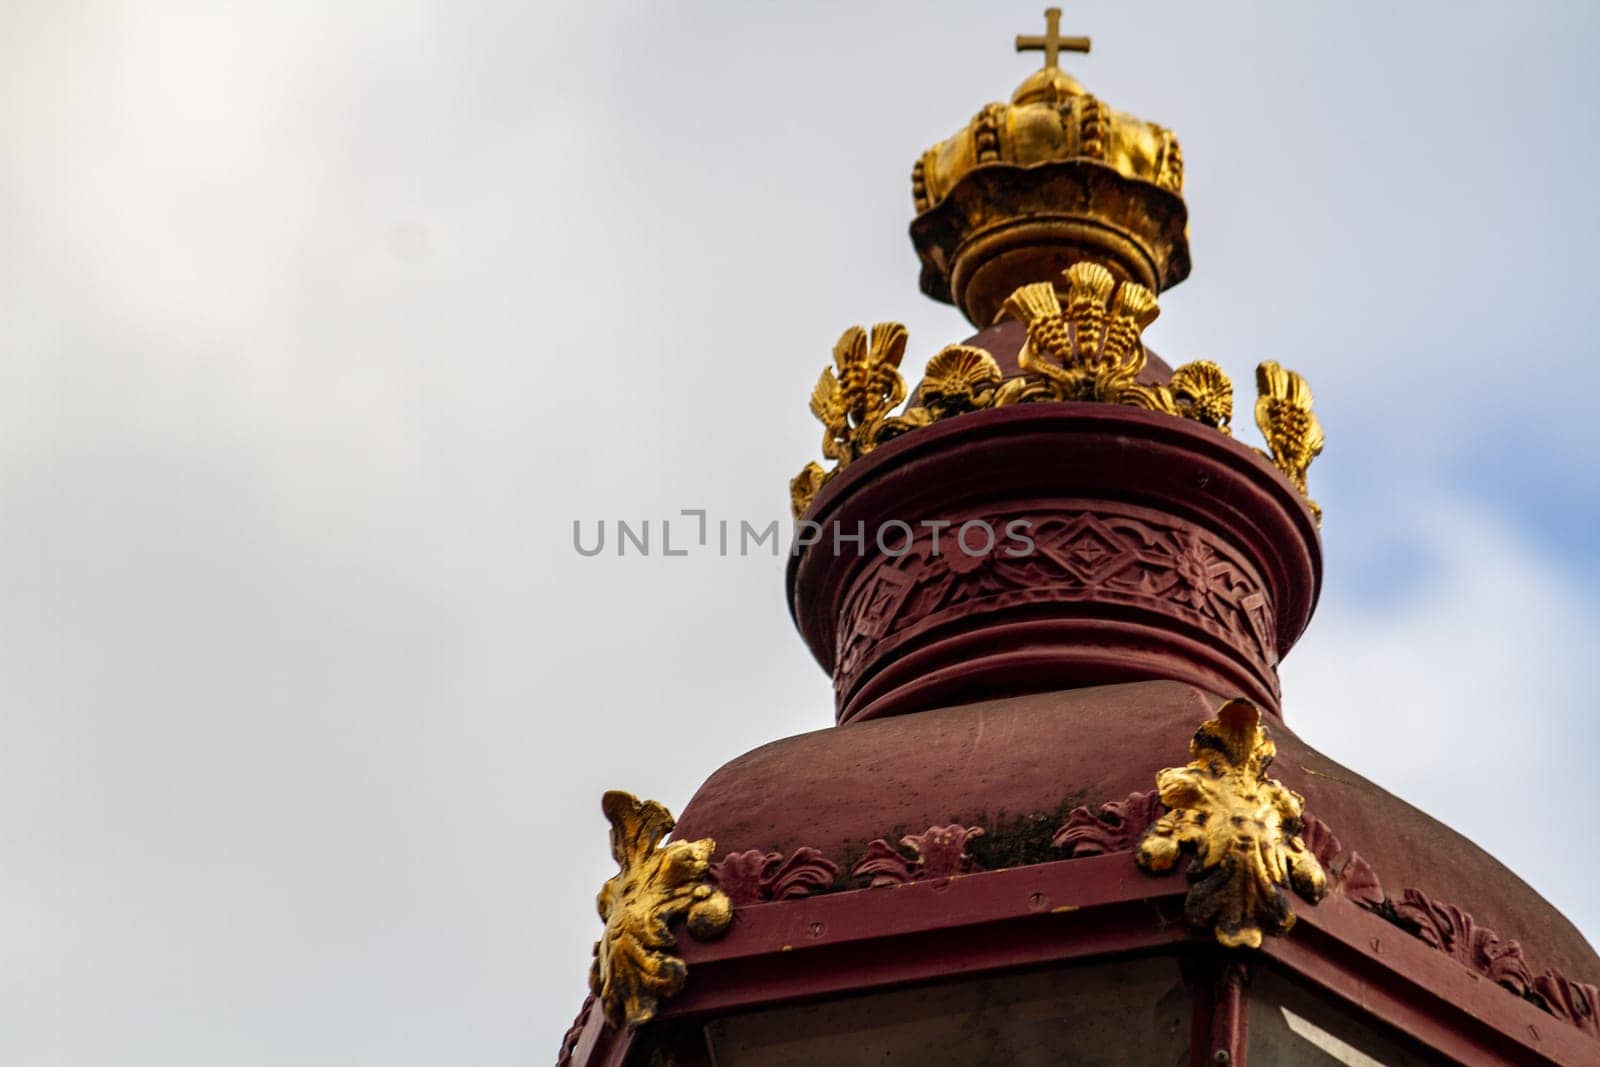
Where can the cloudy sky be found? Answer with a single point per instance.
(321, 323)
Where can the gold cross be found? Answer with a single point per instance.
(1052, 42)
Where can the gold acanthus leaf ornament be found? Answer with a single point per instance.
(1091, 350)
(1241, 827)
(632, 971)
(1292, 432)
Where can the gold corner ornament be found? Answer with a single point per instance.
(1241, 826)
(1292, 432)
(632, 971)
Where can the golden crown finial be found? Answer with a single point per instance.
(1052, 43)
(1056, 176)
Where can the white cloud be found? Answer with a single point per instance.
(323, 322)
(1472, 697)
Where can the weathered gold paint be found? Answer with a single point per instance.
(632, 971)
(1051, 118)
(1293, 434)
(1242, 828)
(1090, 350)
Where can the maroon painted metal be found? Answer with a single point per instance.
(1229, 1033)
(982, 700)
(1018, 766)
(1098, 907)
(1162, 549)
(1384, 971)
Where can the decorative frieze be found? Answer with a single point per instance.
(1113, 554)
(757, 877)
(938, 852)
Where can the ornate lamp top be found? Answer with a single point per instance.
(1068, 217)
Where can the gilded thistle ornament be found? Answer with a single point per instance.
(632, 971)
(1292, 432)
(854, 398)
(1085, 347)
(1091, 350)
(1241, 827)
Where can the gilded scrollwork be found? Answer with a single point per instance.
(1241, 827)
(632, 969)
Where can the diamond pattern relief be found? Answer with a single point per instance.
(883, 599)
(1124, 559)
(1089, 550)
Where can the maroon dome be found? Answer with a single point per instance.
(1016, 767)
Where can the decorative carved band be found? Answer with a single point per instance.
(757, 877)
(1455, 933)
(753, 877)
(938, 852)
(1115, 827)
(1117, 555)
